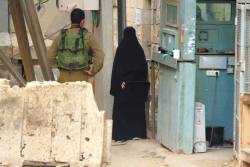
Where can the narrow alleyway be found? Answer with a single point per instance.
(148, 153)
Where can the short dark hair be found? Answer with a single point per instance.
(77, 15)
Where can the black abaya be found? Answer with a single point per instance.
(129, 66)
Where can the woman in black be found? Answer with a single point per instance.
(129, 87)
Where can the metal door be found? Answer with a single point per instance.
(242, 68)
(177, 77)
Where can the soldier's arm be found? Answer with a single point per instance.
(98, 55)
(52, 52)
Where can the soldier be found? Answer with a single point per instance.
(76, 52)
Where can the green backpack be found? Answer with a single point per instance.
(72, 54)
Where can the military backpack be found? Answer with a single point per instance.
(72, 54)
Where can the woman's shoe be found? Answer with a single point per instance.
(119, 142)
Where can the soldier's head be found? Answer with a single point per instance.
(78, 17)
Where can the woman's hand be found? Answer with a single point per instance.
(123, 85)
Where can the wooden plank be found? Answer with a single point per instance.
(32, 21)
(245, 155)
(246, 99)
(245, 124)
(22, 38)
(244, 164)
(245, 133)
(11, 68)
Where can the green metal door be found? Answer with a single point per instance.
(175, 116)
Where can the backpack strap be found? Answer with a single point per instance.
(77, 41)
(82, 32)
(63, 37)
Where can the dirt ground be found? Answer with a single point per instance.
(148, 153)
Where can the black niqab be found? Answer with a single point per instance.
(130, 63)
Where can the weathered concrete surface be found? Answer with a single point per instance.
(52, 122)
(148, 153)
(11, 116)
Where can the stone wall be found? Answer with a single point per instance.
(139, 17)
(155, 27)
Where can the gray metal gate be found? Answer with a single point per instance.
(242, 66)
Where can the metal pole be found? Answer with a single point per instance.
(22, 38)
(37, 37)
(153, 97)
(12, 70)
(121, 18)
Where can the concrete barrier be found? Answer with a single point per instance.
(52, 122)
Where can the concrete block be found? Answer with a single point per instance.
(107, 142)
(155, 31)
(52, 122)
(131, 14)
(37, 123)
(142, 16)
(155, 4)
(144, 32)
(131, 3)
(158, 17)
(11, 116)
(155, 16)
(132, 24)
(5, 43)
(65, 142)
(143, 4)
(138, 16)
(154, 48)
(91, 135)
